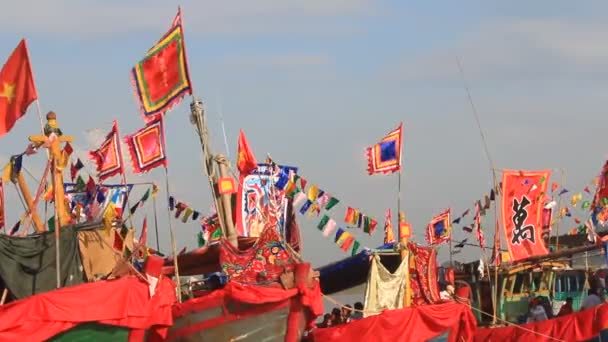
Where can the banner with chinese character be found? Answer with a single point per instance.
(522, 212)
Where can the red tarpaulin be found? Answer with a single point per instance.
(265, 298)
(123, 302)
(523, 193)
(411, 324)
(579, 326)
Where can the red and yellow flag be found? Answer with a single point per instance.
(161, 79)
(246, 161)
(17, 88)
(522, 212)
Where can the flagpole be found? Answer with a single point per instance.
(156, 224)
(173, 244)
(451, 262)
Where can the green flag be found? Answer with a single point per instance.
(80, 185)
(216, 234)
(331, 203)
(51, 224)
(145, 196)
(355, 248)
(201, 239)
(323, 222)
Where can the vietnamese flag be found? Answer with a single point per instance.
(17, 89)
(245, 162)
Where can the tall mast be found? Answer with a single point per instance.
(222, 202)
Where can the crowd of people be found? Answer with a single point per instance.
(540, 308)
(340, 316)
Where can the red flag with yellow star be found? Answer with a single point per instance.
(17, 89)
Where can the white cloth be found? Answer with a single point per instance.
(384, 290)
(591, 301)
(537, 314)
(445, 295)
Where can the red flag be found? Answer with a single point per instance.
(439, 230)
(522, 213)
(144, 232)
(147, 146)
(108, 156)
(601, 191)
(245, 162)
(17, 88)
(389, 237)
(161, 79)
(2, 205)
(91, 187)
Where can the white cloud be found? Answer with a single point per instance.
(109, 18)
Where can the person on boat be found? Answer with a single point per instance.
(537, 311)
(566, 309)
(358, 314)
(591, 300)
(346, 312)
(326, 323)
(448, 293)
(335, 317)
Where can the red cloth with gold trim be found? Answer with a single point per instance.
(147, 146)
(440, 229)
(108, 156)
(385, 156)
(161, 79)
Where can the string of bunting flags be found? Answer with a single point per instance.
(312, 200)
(582, 200)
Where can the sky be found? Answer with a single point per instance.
(314, 83)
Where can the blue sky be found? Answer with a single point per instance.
(315, 82)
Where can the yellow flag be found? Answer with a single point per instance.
(108, 216)
(313, 191)
(7, 172)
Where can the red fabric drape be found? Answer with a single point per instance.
(579, 326)
(269, 298)
(411, 324)
(124, 302)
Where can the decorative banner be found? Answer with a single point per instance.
(161, 79)
(147, 146)
(439, 230)
(385, 156)
(255, 196)
(522, 212)
(108, 157)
